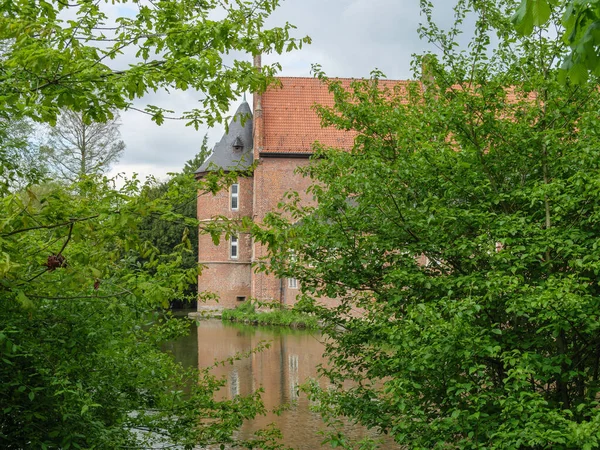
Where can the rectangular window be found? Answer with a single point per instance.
(292, 283)
(233, 248)
(235, 197)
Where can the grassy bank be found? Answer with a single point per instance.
(276, 315)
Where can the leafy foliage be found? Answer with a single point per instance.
(460, 237)
(270, 314)
(80, 359)
(166, 233)
(22, 163)
(94, 58)
(580, 29)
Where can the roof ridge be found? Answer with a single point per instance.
(345, 79)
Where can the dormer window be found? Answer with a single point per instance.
(234, 197)
(238, 145)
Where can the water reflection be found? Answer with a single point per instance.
(291, 358)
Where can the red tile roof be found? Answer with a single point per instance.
(291, 124)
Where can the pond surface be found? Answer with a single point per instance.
(292, 358)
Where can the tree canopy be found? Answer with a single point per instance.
(20, 156)
(578, 28)
(166, 233)
(460, 236)
(95, 57)
(81, 327)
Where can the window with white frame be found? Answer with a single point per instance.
(292, 283)
(234, 247)
(234, 197)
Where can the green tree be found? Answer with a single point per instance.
(460, 235)
(191, 165)
(80, 328)
(22, 162)
(166, 233)
(578, 28)
(63, 54)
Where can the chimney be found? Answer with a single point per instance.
(257, 61)
(257, 113)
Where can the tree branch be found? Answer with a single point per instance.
(48, 227)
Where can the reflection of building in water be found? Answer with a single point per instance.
(293, 371)
(289, 360)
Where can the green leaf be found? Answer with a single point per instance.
(523, 19)
(529, 14)
(25, 301)
(541, 12)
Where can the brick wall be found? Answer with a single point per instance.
(273, 178)
(223, 275)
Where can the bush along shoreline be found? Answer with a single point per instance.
(272, 314)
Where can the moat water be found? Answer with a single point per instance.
(291, 359)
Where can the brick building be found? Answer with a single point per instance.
(277, 134)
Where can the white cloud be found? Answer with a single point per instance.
(350, 38)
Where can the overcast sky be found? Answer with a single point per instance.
(350, 38)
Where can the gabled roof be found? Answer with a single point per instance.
(225, 155)
(291, 124)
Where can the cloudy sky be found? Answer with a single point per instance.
(349, 39)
